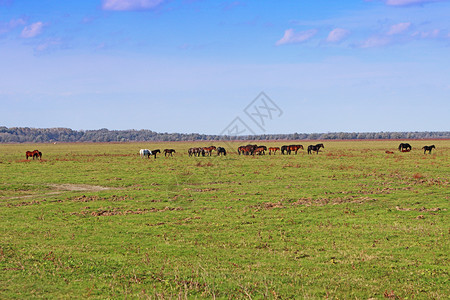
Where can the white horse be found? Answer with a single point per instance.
(145, 152)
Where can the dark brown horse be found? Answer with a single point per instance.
(315, 148)
(34, 154)
(404, 147)
(169, 152)
(155, 151)
(221, 151)
(428, 148)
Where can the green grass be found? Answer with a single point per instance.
(351, 222)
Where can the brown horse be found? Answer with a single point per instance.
(209, 149)
(169, 152)
(260, 150)
(34, 154)
(274, 150)
(246, 150)
(294, 148)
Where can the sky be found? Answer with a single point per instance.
(226, 67)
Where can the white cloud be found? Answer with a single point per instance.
(409, 2)
(426, 34)
(123, 5)
(375, 41)
(398, 28)
(337, 35)
(32, 30)
(290, 37)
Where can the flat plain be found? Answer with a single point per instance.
(94, 220)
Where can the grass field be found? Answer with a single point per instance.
(97, 221)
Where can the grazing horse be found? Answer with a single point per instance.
(34, 154)
(221, 151)
(145, 152)
(294, 148)
(284, 148)
(247, 150)
(155, 151)
(209, 149)
(196, 151)
(274, 150)
(260, 150)
(428, 148)
(169, 152)
(315, 148)
(404, 147)
(28, 154)
(37, 154)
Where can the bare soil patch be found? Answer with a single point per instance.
(60, 188)
(79, 187)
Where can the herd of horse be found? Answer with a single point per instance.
(242, 150)
(206, 151)
(147, 153)
(405, 147)
(285, 150)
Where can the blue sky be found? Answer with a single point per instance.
(195, 65)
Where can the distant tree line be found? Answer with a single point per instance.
(51, 135)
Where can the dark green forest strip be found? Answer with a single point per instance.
(45, 135)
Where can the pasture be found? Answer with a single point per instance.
(98, 221)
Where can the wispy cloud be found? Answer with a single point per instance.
(127, 5)
(399, 28)
(48, 44)
(410, 2)
(337, 35)
(376, 41)
(231, 5)
(426, 34)
(290, 37)
(8, 26)
(32, 30)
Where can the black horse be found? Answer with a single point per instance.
(404, 147)
(428, 148)
(169, 152)
(285, 148)
(155, 151)
(221, 151)
(315, 148)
